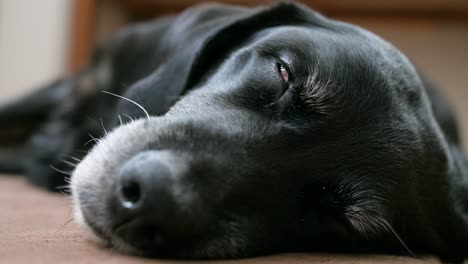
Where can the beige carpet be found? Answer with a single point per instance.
(35, 228)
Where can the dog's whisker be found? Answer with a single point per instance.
(63, 226)
(93, 139)
(120, 119)
(89, 141)
(74, 158)
(62, 192)
(129, 100)
(102, 125)
(390, 228)
(60, 171)
(71, 164)
(129, 117)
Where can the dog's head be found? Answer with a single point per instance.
(298, 133)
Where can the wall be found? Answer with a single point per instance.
(33, 43)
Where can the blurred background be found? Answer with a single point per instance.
(44, 40)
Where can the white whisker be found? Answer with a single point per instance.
(60, 171)
(74, 158)
(63, 192)
(71, 164)
(91, 140)
(129, 117)
(120, 119)
(390, 228)
(131, 101)
(102, 125)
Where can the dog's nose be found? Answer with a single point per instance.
(146, 180)
(144, 198)
(152, 201)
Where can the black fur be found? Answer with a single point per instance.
(355, 153)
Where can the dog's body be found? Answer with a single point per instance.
(279, 130)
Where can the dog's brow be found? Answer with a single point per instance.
(318, 92)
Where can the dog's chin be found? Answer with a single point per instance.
(228, 247)
(99, 236)
(85, 228)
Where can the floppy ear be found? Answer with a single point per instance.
(216, 46)
(199, 39)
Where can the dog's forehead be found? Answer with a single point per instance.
(342, 51)
(315, 44)
(342, 67)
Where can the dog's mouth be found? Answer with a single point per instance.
(224, 239)
(96, 229)
(143, 239)
(112, 238)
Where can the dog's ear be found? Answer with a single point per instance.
(238, 28)
(196, 41)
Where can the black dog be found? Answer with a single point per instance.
(254, 131)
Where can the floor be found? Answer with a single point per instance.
(35, 227)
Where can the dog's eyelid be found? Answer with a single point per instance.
(288, 58)
(280, 58)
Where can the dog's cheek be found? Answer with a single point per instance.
(367, 219)
(364, 206)
(78, 204)
(89, 184)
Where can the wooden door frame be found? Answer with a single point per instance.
(84, 15)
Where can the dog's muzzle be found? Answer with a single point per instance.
(155, 185)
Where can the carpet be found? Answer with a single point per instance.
(35, 227)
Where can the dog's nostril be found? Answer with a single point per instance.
(131, 193)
